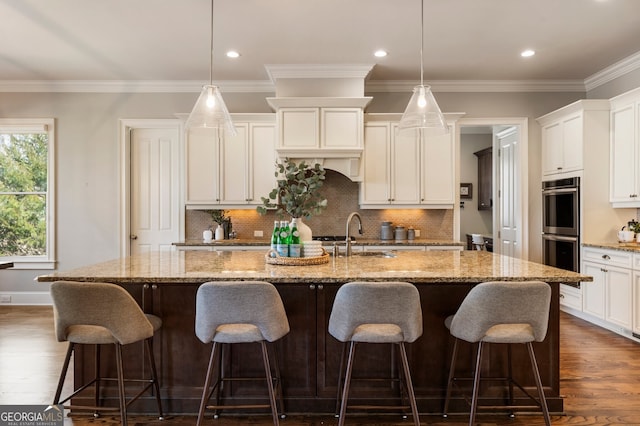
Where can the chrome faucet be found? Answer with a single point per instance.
(348, 236)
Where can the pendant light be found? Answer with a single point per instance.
(422, 112)
(210, 110)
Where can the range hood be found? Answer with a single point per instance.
(320, 114)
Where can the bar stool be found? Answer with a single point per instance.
(507, 313)
(230, 312)
(100, 314)
(376, 312)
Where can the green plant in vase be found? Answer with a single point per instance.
(222, 218)
(297, 193)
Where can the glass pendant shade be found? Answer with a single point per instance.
(210, 111)
(423, 113)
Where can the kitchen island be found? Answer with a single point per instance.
(165, 284)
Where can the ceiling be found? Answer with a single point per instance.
(168, 40)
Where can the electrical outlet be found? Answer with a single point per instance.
(258, 234)
(5, 298)
(417, 233)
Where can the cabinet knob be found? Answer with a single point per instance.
(606, 257)
(559, 168)
(312, 287)
(320, 286)
(604, 270)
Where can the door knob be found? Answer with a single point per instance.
(133, 237)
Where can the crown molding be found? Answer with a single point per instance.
(278, 71)
(480, 86)
(620, 68)
(124, 86)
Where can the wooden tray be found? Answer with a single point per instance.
(296, 261)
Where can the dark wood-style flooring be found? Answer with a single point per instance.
(600, 379)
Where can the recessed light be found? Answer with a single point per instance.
(527, 53)
(232, 54)
(380, 53)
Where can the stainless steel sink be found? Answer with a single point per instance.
(387, 254)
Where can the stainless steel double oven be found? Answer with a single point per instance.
(561, 223)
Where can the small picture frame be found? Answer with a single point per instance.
(466, 190)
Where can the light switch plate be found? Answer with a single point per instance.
(258, 234)
(417, 233)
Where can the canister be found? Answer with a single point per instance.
(386, 231)
(401, 233)
(411, 233)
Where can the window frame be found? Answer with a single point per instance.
(38, 125)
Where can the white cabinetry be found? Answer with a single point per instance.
(636, 295)
(609, 296)
(319, 128)
(568, 131)
(405, 170)
(230, 171)
(625, 150)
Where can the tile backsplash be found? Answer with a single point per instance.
(342, 196)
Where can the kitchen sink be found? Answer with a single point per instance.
(387, 254)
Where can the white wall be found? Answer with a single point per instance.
(88, 168)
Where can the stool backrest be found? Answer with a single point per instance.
(478, 241)
(240, 302)
(493, 303)
(360, 303)
(99, 304)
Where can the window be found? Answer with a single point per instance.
(27, 226)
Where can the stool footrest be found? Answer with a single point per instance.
(219, 407)
(379, 407)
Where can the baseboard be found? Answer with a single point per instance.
(25, 298)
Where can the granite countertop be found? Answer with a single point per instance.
(362, 242)
(632, 247)
(194, 267)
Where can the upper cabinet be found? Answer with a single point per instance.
(625, 150)
(405, 170)
(567, 132)
(227, 171)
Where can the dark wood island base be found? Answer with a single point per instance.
(309, 357)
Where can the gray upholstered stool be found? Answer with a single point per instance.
(376, 312)
(501, 312)
(100, 314)
(240, 312)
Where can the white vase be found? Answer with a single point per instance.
(303, 229)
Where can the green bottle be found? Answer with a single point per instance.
(282, 245)
(294, 242)
(274, 235)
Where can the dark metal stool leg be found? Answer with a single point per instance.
(269, 378)
(207, 384)
(154, 376)
(407, 377)
(123, 403)
(278, 380)
(63, 374)
(476, 385)
(536, 373)
(347, 383)
(452, 369)
(340, 377)
(97, 379)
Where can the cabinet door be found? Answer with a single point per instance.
(485, 178)
(202, 174)
(374, 188)
(438, 169)
(636, 301)
(623, 155)
(552, 149)
(618, 297)
(405, 167)
(593, 293)
(234, 158)
(299, 127)
(572, 139)
(341, 127)
(262, 147)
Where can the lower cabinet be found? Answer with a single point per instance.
(608, 300)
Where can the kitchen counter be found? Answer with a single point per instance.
(357, 242)
(632, 247)
(166, 283)
(194, 267)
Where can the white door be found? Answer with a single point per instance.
(154, 189)
(508, 218)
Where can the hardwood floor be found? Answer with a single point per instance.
(600, 378)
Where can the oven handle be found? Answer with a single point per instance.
(559, 191)
(558, 238)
